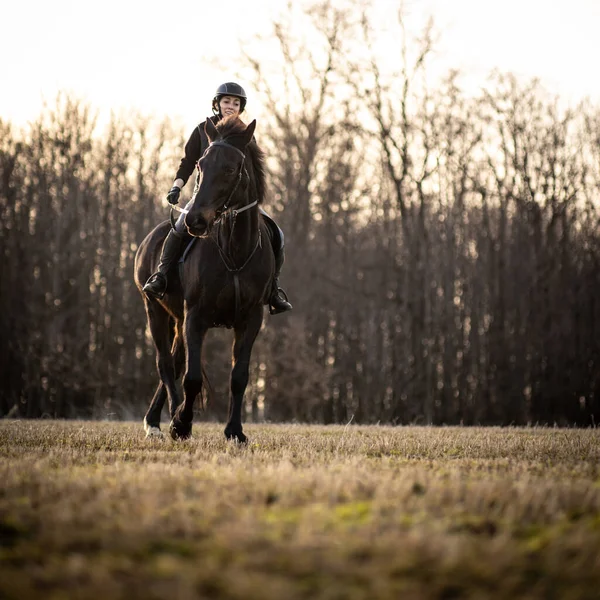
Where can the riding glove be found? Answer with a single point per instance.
(173, 195)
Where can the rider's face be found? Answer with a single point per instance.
(229, 105)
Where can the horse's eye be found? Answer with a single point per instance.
(230, 170)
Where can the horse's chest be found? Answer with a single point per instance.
(225, 296)
(231, 302)
(226, 299)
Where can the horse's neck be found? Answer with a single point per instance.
(238, 235)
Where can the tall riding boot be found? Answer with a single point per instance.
(156, 286)
(278, 301)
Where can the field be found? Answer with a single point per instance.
(93, 510)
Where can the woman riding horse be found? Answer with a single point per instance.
(226, 278)
(229, 99)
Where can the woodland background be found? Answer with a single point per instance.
(443, 248)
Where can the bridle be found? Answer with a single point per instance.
(232, 213)
(225, 210)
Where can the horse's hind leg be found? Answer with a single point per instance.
(158, 320)
(152, 418)
(242, 349)
(194, 331)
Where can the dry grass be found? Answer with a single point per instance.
(93, 510)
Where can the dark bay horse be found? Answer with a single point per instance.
(226, 280)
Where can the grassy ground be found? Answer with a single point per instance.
(93, 510)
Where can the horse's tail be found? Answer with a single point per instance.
(208, 391)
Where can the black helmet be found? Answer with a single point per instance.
(229, 89)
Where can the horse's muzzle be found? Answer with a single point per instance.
(198, 225)
(197, 231)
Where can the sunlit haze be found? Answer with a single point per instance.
(156, 57)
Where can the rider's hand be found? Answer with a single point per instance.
(173, 195)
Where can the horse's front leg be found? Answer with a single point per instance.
(242, 349)
(194, 330)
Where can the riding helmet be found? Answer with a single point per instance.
(229, 89)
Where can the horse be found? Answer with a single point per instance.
(226, 277)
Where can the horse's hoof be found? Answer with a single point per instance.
(236, 436)
(180, 430)
(154, 433)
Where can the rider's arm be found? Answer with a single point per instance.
(188, 162)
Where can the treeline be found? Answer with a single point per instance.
(73, 209)
(443, 249)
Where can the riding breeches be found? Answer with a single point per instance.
(180, 223)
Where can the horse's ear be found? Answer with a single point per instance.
(210, 130)
(249, 132)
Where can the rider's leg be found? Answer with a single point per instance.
(156, 286)
(278, 301)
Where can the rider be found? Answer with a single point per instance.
(229, 99)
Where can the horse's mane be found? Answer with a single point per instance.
(231, 128)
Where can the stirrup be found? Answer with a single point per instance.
(285, 304)
(156, 286)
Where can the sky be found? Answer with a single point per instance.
(159, 57)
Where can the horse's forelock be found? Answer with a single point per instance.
(230, 126)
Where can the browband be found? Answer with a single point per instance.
(224, 143)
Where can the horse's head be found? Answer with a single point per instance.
(223, 176)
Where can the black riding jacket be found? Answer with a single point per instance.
(196, 146)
